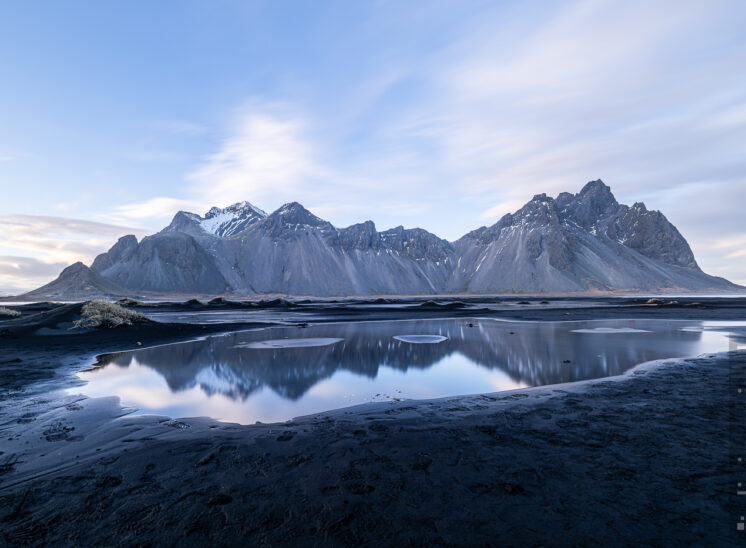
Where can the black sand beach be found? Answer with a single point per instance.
(646, 458)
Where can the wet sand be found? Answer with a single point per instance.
(645, 458)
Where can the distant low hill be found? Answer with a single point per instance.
(572, 243)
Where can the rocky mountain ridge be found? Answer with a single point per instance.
(572, 243)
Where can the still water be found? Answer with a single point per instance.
(278, 373)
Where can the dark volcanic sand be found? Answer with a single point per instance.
(647, 458)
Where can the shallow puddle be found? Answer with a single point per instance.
(279, 373)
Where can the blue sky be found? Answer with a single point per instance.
(444, 115)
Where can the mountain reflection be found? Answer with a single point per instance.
(528, 353)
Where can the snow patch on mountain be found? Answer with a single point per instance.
(228, 221)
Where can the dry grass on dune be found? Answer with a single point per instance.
(106, 314)
(8, 313)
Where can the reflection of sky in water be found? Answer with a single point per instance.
(232, 378)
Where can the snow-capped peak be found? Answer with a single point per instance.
(238, 208)
(231, 220)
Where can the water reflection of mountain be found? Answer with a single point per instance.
(530, 353)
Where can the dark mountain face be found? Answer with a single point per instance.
(647, 232)
(120, 252)
(78, 281)
(572, 243)
(362, 236)
(292, 220)
(579, 242)
(167, 262)
(650, 234)
(592, 204)
(416, 244)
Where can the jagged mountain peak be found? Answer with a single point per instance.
(74, 268)
(294, 213)
(183, 221)
(360, 236)
(594, 202)
(227, 221)
(541, 198)
(595, 197)
(127, 241)
(548, 225)
(541, 209)
(77, 281)
(416, 243)
(221, 222)
(595, 186)
(245, 208)
(292, 208)
(364, 226)
(292, 221)
(120, 251)
(596, 192)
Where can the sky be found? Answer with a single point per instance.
(442, 115)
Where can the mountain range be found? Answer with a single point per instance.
(572, 243)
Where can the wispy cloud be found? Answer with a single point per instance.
(272, 154)
(155, 209)
(494, 213)
(34, 225)
(25, 267)
(726, 252)
(33, 249)
(596, 91)
(266, 154)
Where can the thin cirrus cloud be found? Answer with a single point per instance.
(264, 156)
(35, 248)
(601, 90)
(17, 272)
(271, 156)
(28, 266)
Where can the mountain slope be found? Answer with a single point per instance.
(581, 242)
(293, 251)
(167, 262)
(573, 243)
(75, 282)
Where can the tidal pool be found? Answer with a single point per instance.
(278, 373)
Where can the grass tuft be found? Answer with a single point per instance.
(8, 313)
(107, 315)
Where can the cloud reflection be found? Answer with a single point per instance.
(220, 377)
